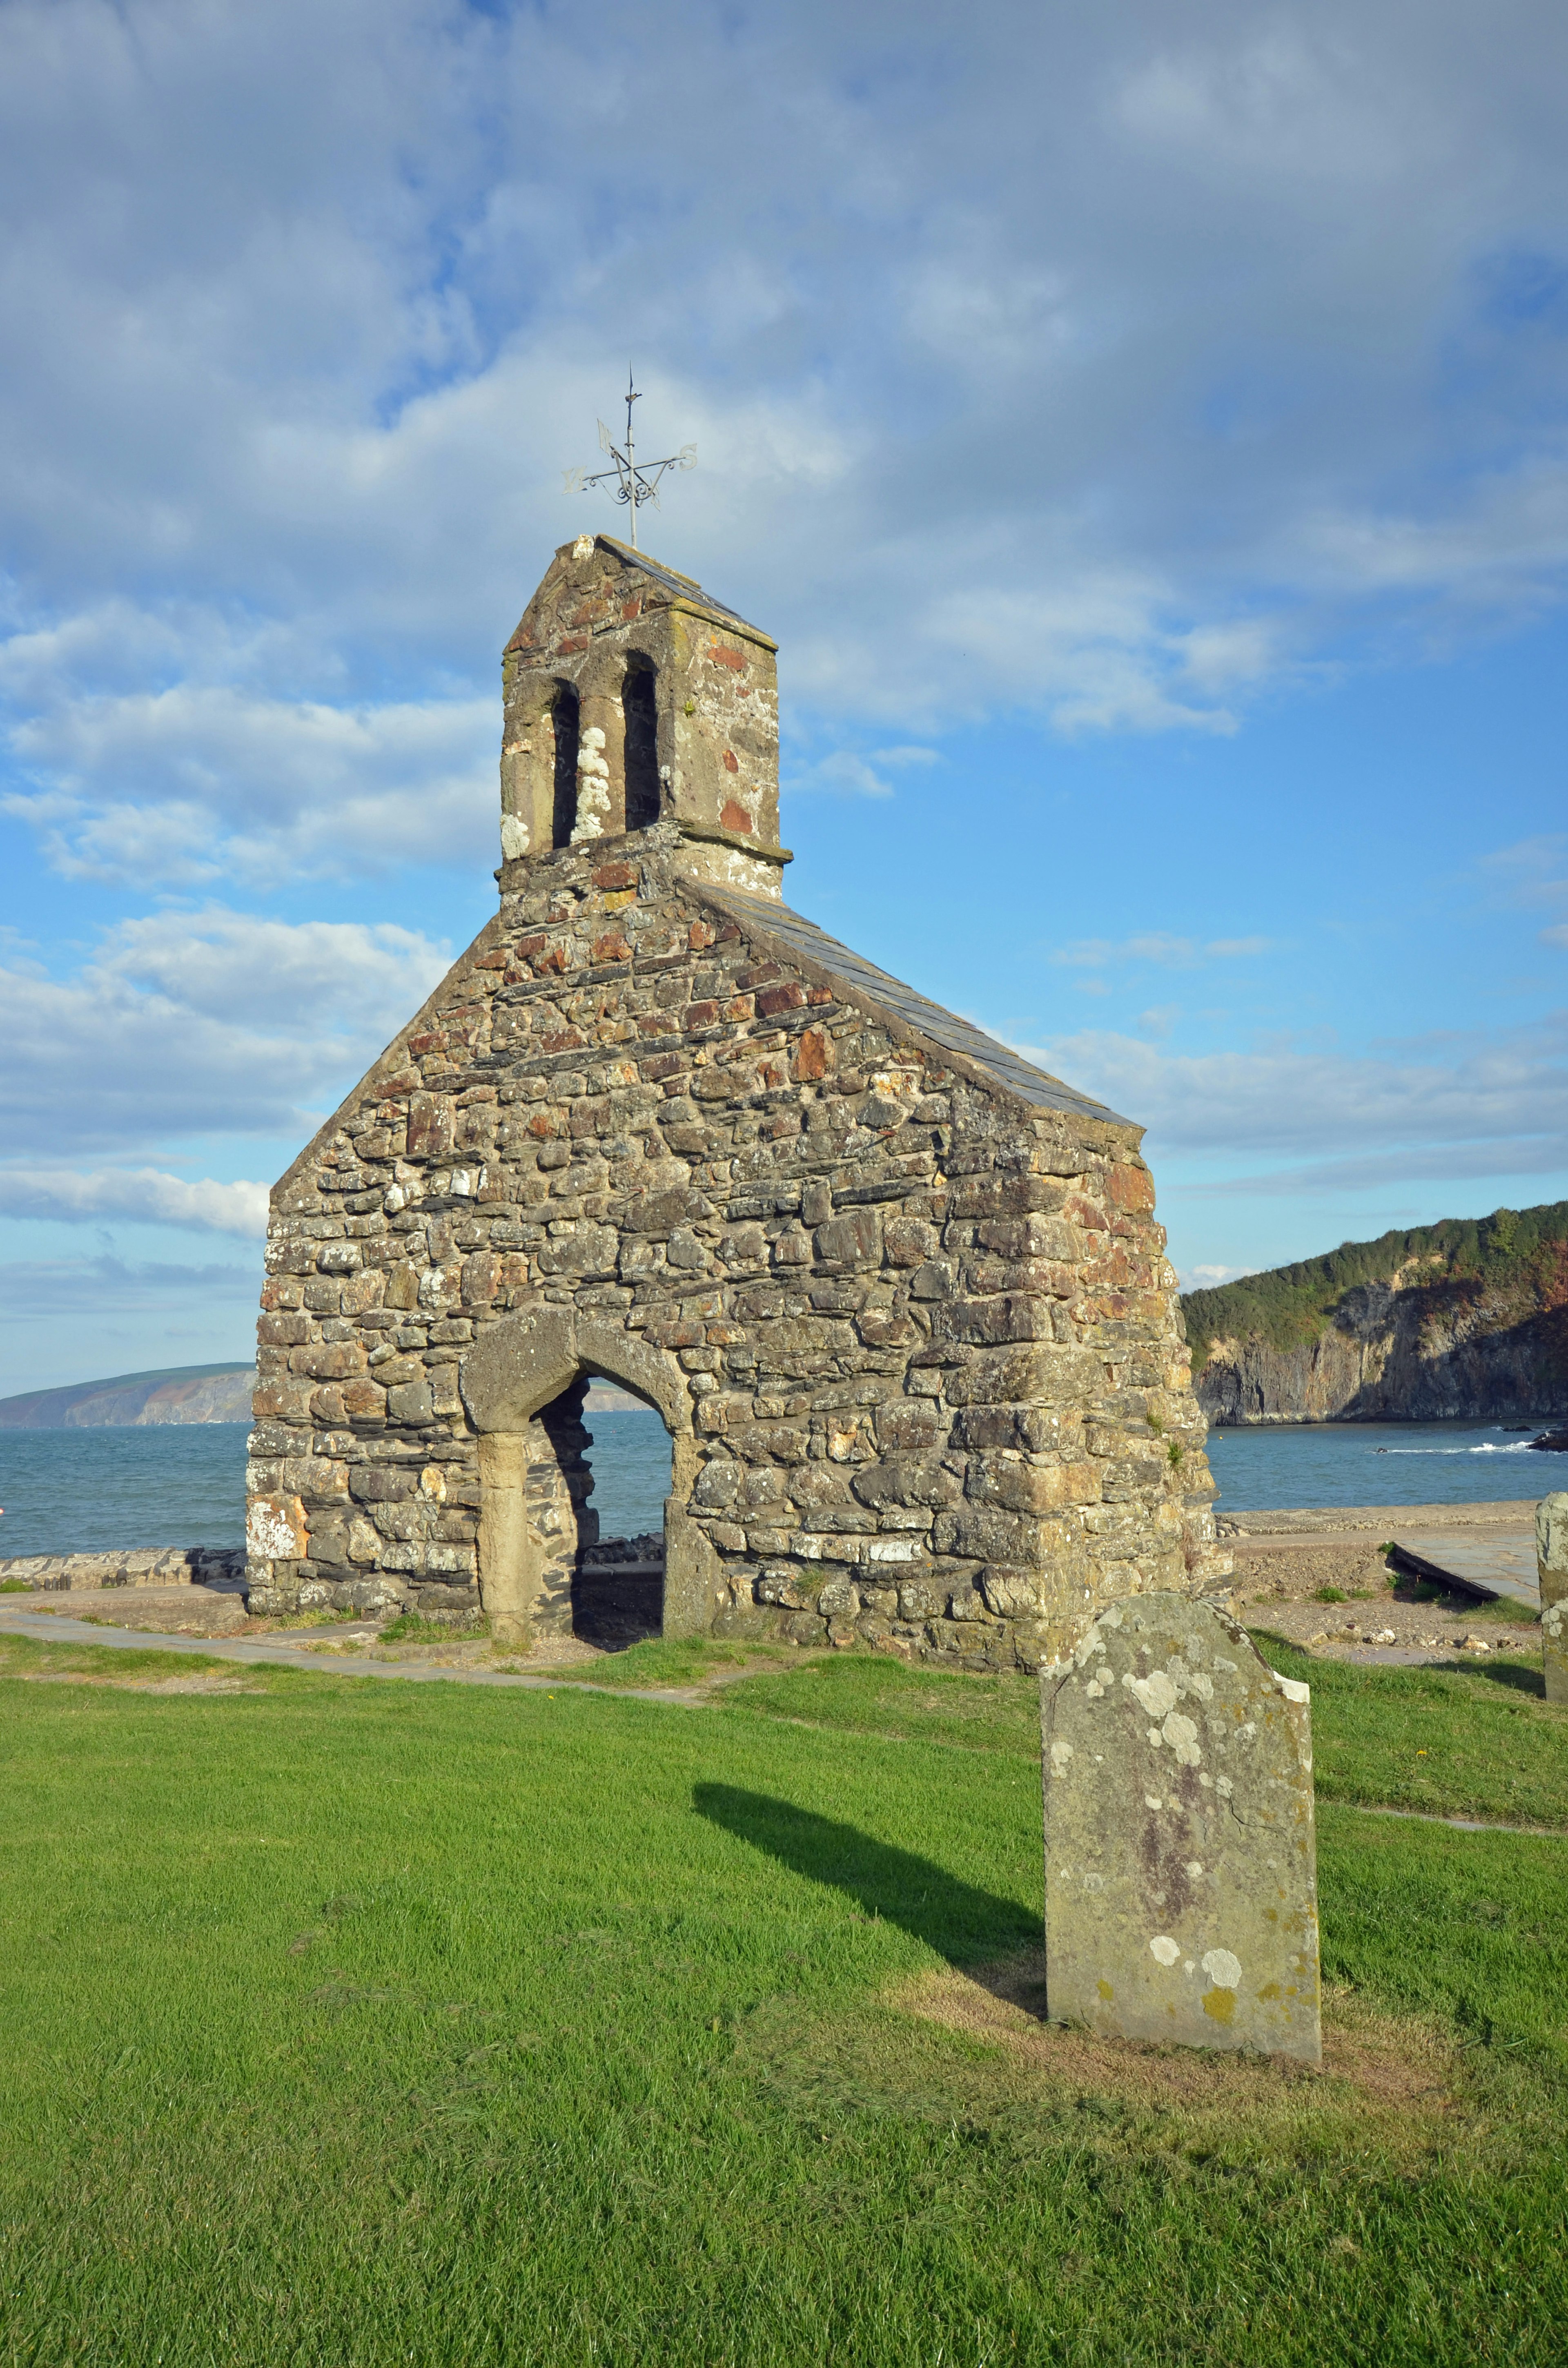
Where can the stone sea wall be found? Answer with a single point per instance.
(136, 1566)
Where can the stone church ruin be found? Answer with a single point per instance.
(899, 1297)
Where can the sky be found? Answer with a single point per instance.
(1144, 429)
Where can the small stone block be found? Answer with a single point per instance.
(1180, 1857)
(1554, 1649)
(1551, 1546)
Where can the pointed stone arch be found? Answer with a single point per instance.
(519, 1369)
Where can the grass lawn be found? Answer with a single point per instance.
(350, 2022)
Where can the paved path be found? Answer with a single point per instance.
(49, 1629)
(1436, 1817)
(1500, 1565)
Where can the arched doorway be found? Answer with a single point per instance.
(524, 1384)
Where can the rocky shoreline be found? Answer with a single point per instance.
(155, 1566)
(1314, 1576)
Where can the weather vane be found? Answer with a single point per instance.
(634, 485)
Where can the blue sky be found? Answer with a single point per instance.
(1144, 428)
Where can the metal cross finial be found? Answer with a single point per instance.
(634, 485)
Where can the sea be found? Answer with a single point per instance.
(183, 1483)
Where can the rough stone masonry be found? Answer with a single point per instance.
(899, 1296)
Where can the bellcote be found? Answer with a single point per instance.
(631, 700)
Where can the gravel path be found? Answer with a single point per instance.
(320, 1653)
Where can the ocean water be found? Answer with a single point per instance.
(89, 1491)
(1379, 1463)
(184, 1484)
(86, 1491)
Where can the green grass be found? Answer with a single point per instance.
(29, 1656)
(678, 1661)
(353, 2021)
(1473, 1742)
(409, 1628)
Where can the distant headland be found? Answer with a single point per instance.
(1467, 1317)
(180, 1393)
(176, 1393)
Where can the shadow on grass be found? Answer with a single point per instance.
(1514, 1674)
(955, 1918)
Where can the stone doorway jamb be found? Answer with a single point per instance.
(516, 1367)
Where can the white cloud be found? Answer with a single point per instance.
(1159, 947)
(1498, 1157)
(1110, 368)
(1500, 1098)
(147, 1195)
(86, 1295)
(199, 1024)
(1208, 1278)
(188, 783)
(842, 774)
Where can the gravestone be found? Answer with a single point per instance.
(1181, 1892)
(1551, 1563)
(1554, 1649)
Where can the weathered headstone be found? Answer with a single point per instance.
(1554, 1649)
(1180, 1861)
(1551, 1563)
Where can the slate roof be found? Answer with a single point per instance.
(763, 916)
(681, 587)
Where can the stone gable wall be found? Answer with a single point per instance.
(917, 1342)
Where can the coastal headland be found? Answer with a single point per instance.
(1466, 1319)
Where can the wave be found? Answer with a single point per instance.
(1520, 1447)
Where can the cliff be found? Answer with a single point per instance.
(1465, 1317)
(185, 1394)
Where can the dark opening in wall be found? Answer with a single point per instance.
(564, 716)
(641, 746)
(619, 1593)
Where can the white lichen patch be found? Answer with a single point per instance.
(1061, 1753)
(593, 787)
(1164, 1949)
(1156, 1692)
(1223, 1969)
(1182, 1736)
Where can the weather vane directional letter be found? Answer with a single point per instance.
(633, 485)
